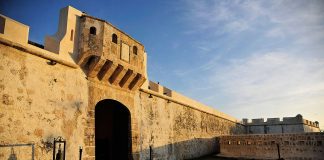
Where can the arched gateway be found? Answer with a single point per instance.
(112, 131)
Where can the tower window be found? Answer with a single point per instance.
(93, 30)
(71, 38)
(114, 38)
(135, 50)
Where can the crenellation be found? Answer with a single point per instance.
(258, 121)
(159, 89)
(286, 120)
(273, 120)
(167, 91)
(275, 125)
(153, 86)
(13, 30)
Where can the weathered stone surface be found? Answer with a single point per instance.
(7, 99)
(291, 146)
(34, 109)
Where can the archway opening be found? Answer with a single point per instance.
(112, 131)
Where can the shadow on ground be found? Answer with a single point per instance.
(215, 157)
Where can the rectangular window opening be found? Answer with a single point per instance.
(71, 38)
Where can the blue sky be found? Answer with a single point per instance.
(246, 58)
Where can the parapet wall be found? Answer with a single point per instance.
(291, 146)
(287, 125)
(13, 30)
(285, 121)
(163, 92)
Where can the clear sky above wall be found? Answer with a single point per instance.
(246, 58)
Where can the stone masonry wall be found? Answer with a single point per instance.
(171, 130)
(291, 146)
(176, 131)
(39, 102)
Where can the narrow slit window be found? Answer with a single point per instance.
(71, 38)
(114, 38)
(93, 30)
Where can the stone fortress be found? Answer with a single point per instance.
(287, 125)
(88, 84)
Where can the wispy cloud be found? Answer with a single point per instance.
(268, 59)
(274, 84)
(269, 76)
(274, 18)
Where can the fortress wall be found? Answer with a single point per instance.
(291, 146)
(39, 102)
(160, 127)
(308, 128)
(159, 90)
(286, 120)
(270, 129)
(176, 131)
(287, 125)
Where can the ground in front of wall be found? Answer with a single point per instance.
(218, 157)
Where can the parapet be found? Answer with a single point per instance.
(310, 123)
(15, 34)
(13, 30)
(157, 90)
(258, 121)
(290, 120)
(276, 121)
(273, 120)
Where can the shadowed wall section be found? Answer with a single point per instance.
(176, 131)
(291, 146)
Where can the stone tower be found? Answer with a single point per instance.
(102, 50)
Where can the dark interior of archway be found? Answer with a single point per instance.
(112, 129)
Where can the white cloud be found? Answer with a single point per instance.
(275, 33)
(221, 16)
(270, 76)
(237, 26)
(298, 18)
(271, 84)
(267, 81)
